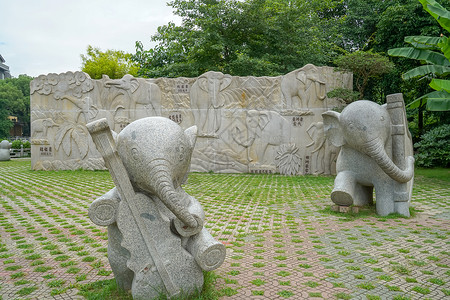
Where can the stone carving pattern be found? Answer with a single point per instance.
(229, 111)
(288, 160)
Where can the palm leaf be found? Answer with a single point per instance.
(430, 57)
(438, 12)
(425, 70)
(440, 84)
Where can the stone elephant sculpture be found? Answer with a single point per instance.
(207, 102)
(40, 127)
(303, 84)
(157, 244)
(263, 128)
(139, 92)
(376, 152)
(5, 147)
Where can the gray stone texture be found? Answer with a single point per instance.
(5, 146)
(245, 124)
(376, 152)
(156, 240)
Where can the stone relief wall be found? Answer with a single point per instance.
(245, 124)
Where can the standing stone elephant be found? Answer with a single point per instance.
(303, 85)
(207, 102)
(376, 153)
(263, 128)
(139, 92)
(40, 127)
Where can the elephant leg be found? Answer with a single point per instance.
(344, 188)
(118, 256)
(384, 199)
(363, 195)
(218, 119)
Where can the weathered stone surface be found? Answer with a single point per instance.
(245, 124)
(4, 150)
(156, 240)
(376, 152)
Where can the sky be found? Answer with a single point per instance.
(48, 36)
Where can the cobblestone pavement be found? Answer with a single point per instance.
(283, 242)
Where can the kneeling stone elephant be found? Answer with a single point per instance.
(376, 153)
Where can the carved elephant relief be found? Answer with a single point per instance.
(376, 152)
(141, 94)
(40, 127)
(303, 86)
(207, 101)
(324, 153)
(263, 129)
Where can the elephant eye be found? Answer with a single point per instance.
(351, 126)
(135, 153)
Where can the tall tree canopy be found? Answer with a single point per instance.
(113, 63)
(15, 101)
(253, 37)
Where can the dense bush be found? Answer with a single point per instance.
(16, 144)
(434, 148)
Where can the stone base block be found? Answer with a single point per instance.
(345, 209)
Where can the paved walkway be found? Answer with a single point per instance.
(282, 240)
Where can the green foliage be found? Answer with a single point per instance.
(113, 63)
(434, 148)
(253, 37)
(345, 95)
(435, 53)
(16, 144)
(15, 101)
(364, 65)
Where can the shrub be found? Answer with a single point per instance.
(26, 144)
(16, 144)
(434, 148)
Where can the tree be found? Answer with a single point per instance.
(113, 63)
(435, 53)
(253, 37)
(365, 66)
(15, 101)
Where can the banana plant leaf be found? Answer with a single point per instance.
(439, 104)
(430, 57)
(425, 70)
(423, 42)
(438, 12)
(435, 101)
(444, 44)
(440, 84)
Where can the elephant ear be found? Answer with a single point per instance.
(264, 119)
(332, 128)
(191, 134)
(203, 83)
(134, 84)
(226, 81)
(301, 75)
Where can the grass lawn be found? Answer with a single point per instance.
(282, 240)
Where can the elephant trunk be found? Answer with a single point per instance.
(375, 149)
(162, 185)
